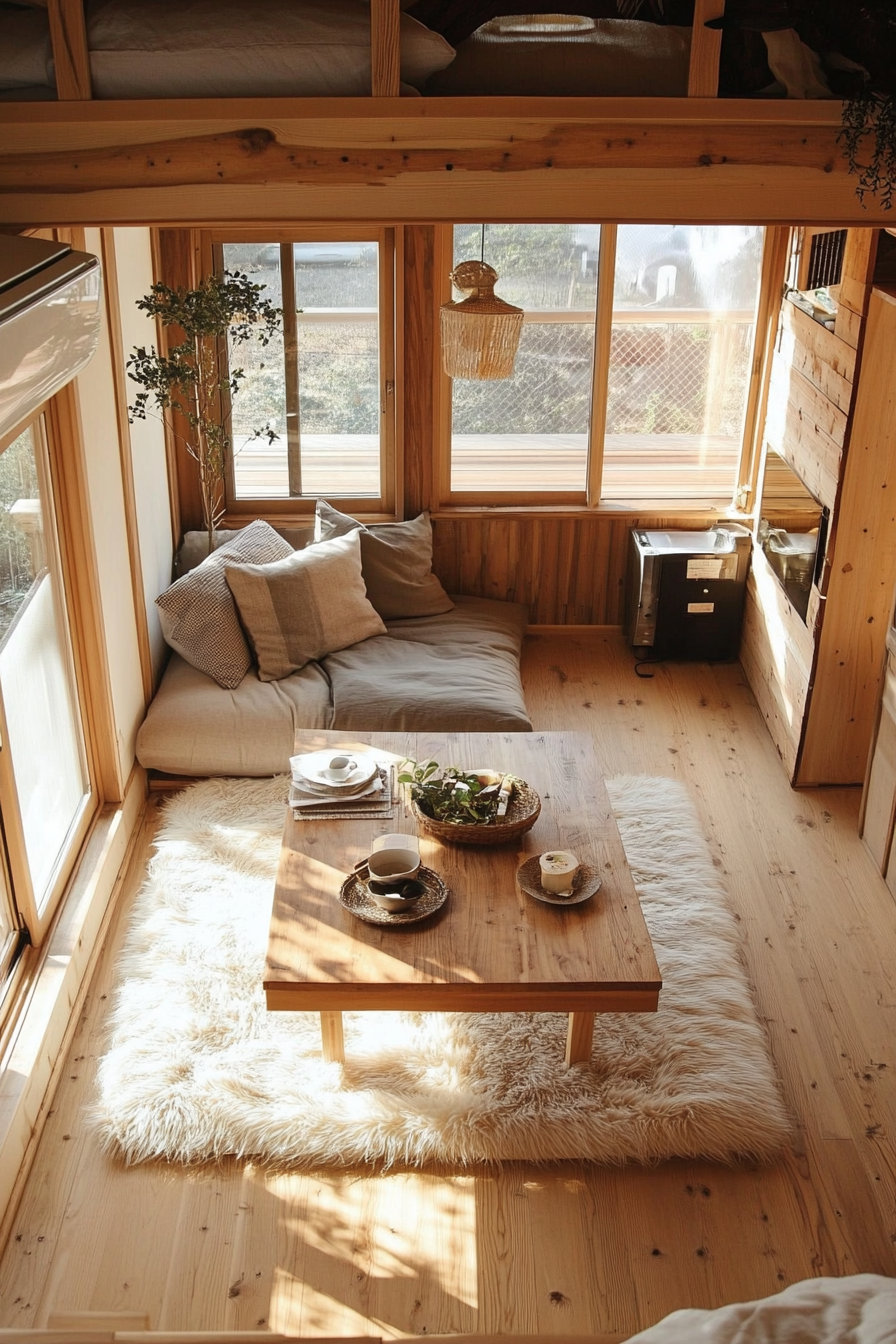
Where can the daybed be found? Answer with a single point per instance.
(457, 668)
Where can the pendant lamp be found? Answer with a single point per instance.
(480, 333)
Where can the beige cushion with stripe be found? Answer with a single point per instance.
(304, 607)
(197, 613)
(396, 561)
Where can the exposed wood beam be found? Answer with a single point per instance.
(259, 156)
(68, 36)
(385, 48)
(698, 160)
(706, 47)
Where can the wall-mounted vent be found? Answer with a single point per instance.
(826, 259)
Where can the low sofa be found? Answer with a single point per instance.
(456, 669)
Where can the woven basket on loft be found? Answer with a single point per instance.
(480, 333)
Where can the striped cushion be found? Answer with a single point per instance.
(197, 613)
(304, 607)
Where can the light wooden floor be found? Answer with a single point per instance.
(564, 1249)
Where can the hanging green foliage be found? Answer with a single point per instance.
(868, 141)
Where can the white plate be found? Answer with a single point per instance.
(313, 767)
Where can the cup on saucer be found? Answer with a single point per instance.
(339, 768)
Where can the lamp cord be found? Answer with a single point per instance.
(482, 253)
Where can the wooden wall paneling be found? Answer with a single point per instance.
(385, 48)
(71, 59)
(419, 365)
(806, 429)
(859, 256)
(776, 654)
(706, 48)
(822, 357)
(113, 316)
(852, 642)
(177, 257)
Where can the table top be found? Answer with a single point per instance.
(490, 947)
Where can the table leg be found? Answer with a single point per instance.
(579, 1038)
(331, 1037)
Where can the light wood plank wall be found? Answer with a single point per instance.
(818, 683)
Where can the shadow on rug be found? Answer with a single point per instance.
(198, 1069)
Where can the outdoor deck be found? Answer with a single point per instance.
(669, 466)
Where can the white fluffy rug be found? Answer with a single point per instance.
(197, 1068)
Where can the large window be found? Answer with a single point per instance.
(325, 385)
(46, 798)
(634, 368)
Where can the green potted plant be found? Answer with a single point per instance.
(189, 379)
(465, 807)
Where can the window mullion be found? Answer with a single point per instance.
(291, 371)
(606, 271)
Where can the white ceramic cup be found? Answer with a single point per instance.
(394, 865)
(340, 767)
(558, 871)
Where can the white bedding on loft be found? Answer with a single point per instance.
(219, 49)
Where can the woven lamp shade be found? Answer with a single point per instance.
(480, 333)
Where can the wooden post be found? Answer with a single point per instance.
(68, 35)
(579, 1038)
(332, 1039)
(706, 46)
(385, 48)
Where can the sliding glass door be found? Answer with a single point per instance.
(46, 798)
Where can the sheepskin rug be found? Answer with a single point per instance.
(197, 1068)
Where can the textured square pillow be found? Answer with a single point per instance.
(197, 613)
(396, 561)
(304, 607)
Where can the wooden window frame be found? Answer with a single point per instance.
(37, 919)
(589, 499)
(286, 508)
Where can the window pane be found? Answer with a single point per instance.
(337, 294)
(36, 680)
(324, 371)
(684, 305)
(530, 432)
(259, 467)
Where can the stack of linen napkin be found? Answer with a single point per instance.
(329, 784)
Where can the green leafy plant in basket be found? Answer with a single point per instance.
(450, 795)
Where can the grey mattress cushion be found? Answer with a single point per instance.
(196, 727)
(458, 671)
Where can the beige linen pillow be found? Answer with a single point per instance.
(197, 613)
(304, 607)
(396, 562)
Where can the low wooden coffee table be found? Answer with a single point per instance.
(490, 948)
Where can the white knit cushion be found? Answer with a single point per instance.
(197, 613)
(305, 606)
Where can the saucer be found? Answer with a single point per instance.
(353, 895)
(313, 767)
(585, 883)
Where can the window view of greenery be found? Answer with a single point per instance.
(530, 432)
(684, 303)
(318, 383)
(22, 557)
